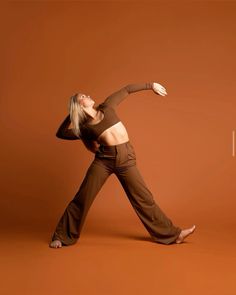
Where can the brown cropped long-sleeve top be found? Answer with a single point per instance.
(108, 107)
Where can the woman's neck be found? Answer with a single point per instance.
(92, 113)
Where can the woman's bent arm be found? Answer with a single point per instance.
(115, 98)
(64, 133)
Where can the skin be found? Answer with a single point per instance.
(114, 135)
(183, 234)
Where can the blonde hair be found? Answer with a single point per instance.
(77, 115)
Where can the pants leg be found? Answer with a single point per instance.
(71, 223)
(153, 218)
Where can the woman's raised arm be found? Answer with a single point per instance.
(115, 98)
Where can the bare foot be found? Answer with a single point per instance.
(184, 233)
(55, 244)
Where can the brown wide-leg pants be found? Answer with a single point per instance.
(121, 160)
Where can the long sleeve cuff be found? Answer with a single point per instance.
(137, 87)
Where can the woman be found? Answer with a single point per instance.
(104, 134)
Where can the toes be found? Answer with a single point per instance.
(56, 244)
(193, 228)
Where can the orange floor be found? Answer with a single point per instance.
(116, 258)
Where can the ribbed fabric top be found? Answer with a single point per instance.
(93, 131)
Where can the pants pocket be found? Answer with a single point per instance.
(131, 152)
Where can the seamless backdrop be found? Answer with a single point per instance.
(183, 141)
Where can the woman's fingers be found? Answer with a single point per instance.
(163, 90)
(158, 88)
(163, 93)
(159, 85)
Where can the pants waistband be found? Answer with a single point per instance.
(112, 149)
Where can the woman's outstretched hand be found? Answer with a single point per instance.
(159, 89)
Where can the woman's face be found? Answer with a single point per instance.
(85, 100)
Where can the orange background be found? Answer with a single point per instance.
(183, 143)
